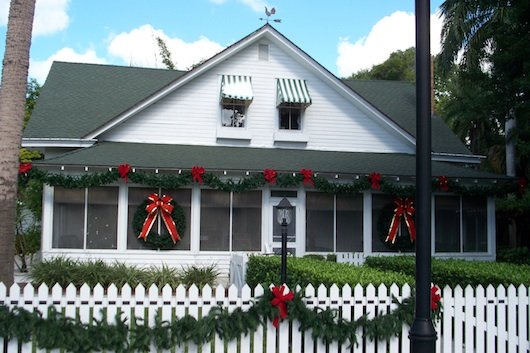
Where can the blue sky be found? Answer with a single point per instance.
(343, 35)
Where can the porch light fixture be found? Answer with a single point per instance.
(284, 217)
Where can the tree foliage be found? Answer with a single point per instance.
(400, 66)
(165, 54)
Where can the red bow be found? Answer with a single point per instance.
(308, 176)
(280, 301)
(23, 168)
(124, 170)
(375, 180)
(196, 174)
(435, 297)
(163, 206)
(443, 183)
(405, 208)
(270, 176)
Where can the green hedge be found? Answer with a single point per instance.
(303, 271)
(457, 272)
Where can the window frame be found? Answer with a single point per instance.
(232, 104)
(291, 107)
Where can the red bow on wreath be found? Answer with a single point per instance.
(124, 170)
(163, 206)
(308, 177)
(375, 180)
(521, 185)
(196, 173)
(404, 208)
(280, 301)
(270, 176)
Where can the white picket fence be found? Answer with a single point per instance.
(474, 320)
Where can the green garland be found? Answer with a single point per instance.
(60, 332)
(154, 240)
(257, 180)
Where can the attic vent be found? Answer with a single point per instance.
(263, 52)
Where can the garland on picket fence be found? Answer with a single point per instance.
(57, 331)
(306, 177)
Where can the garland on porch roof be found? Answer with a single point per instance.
(56, 331)
(255, 180)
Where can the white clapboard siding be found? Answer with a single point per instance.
(191, 114)
(473, 319)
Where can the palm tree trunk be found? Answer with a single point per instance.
(12, 98)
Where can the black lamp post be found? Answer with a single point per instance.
(284, 216)
(422, 334)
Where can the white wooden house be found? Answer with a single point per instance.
(261, 104)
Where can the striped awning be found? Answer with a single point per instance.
(236, 87)
(293, 91)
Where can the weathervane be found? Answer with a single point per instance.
(269, 14)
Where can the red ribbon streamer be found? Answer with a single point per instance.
(23, 168)
(404, 208)
(163, 207)
(443, 183)
(124, 170)
(375, 180)
(308, 177)
(280, 301)
(197, 173)
(270, 176)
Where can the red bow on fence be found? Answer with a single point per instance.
(23, 168)
(443, 183)
(280, 301)
(163, 207)
(404, 208)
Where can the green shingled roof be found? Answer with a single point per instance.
(78, 98)
(397, 100)
(166, 156)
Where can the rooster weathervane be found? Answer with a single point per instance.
(270, 13)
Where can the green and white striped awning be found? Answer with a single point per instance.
(293, 91)
(236, 87)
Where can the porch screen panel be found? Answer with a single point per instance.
(215, 220)
(136, 197)
(447, 223)
(246, 221)
(349, 223)
(382, 206)
(102, 218)
(475, 220)
(319, 222)
(68, 218)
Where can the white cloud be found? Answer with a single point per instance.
(39, 69)
(50, 16)
(391, 33)
(138, 48)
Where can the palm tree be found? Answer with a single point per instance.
(492, 36)
(12, 101)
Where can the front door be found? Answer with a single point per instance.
(277, 228)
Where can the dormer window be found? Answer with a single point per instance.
(292, 99)
(236, 96)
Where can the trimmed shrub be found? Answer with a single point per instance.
(303, 271)
(519, 255)
(454, 272)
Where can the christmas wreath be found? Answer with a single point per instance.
(384, 224)
(170, 213)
